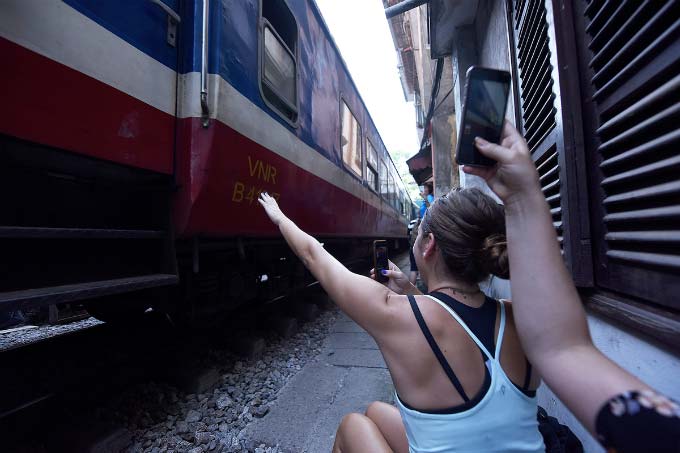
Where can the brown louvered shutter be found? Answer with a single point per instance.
(545, 96)
(630, 65)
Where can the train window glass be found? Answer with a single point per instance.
(371, 166)
(281, 19)
(279, 65)
(383, 182)
(351, 140)
(390, 190)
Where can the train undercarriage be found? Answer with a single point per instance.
(83, 231)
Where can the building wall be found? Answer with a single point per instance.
(641, 356)
(653, 363)
(491, 45)
(492, 41)
(445, 173)
(444, 135)
(418, 23)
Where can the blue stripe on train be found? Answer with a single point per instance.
(233, 54)
(139, 22)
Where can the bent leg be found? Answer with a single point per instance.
(388, 420)
(357, 433)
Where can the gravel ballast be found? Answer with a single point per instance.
(14, 338)
(162, 418)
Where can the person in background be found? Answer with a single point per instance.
(623, 412)
(462, 380)
(413, 273)
(428, 199)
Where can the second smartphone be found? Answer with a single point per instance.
(380, 260)
(486, 98)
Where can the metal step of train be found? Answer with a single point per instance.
(16, 300)
(86, 241)
(74, 228)
(77, 233)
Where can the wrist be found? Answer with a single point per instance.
(282, 220)
(525, 202)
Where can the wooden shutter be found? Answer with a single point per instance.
(630, 76)
(546, 91)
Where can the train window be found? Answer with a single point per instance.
(371, 166)
(350, 140)
(390, 190)
(278, 72)
(383, 182)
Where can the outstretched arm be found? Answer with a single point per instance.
(366, 301)
(550, 319)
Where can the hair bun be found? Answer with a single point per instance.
(495, 256)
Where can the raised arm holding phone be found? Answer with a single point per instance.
(551, 321)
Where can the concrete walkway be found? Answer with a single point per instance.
(348, 375)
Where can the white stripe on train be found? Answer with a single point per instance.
(57, 31)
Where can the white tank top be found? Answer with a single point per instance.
(503, 421)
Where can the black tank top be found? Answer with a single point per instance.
(482, 322)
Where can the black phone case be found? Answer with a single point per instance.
(378, 276)
(478, 160)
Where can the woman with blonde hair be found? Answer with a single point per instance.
(462, 380)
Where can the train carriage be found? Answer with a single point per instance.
(136, 135)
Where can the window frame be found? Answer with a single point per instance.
(264, 23)
(556, 154)
(384, 195)
(642, 292)
(351, 170)
(391, 189)
(367, 165)
(570, 42)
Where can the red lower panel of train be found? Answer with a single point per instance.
(224, 173)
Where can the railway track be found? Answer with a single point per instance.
(74, 380)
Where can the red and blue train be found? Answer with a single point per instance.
(136, 135)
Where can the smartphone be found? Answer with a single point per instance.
(380, 260)
(486, 98)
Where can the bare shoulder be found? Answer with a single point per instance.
(437, 318)
(398, 310)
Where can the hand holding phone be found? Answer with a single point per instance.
(380, 260)
(486, 98)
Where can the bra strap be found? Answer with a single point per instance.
(501, 331)
(435, 348)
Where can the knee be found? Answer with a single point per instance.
(352, 426)
(351, 420)
(374, 410)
